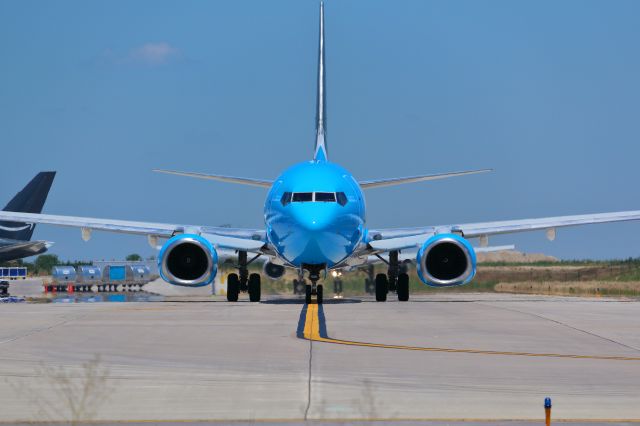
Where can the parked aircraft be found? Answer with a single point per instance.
(15, 238)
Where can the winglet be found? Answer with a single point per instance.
(320, 153)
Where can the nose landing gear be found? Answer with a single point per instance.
(314, 289)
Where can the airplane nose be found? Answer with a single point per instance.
(316, 233)
(316, 223)
(316, 218)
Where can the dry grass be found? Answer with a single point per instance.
(564, 288)
(72, 395)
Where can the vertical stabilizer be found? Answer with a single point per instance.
(320, 153)
(30, 200)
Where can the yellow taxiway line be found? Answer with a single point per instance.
(315, 330)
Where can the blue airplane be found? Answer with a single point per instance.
(314, 217)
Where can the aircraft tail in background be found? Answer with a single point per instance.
(30, 200)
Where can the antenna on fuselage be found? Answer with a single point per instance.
(320, 153)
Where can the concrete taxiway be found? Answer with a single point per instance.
(475, 357)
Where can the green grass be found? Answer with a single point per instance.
(631, 261)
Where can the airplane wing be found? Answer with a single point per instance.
(229, 238)
(405, 238)
(232, 179)
(378, 183)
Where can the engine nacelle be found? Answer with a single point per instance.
(446, 260)
(188, 260)
(273, 270)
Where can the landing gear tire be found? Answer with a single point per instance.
(254, 288)
(319, 295)
(403, 287)
(307, 294)
(337, 287)
(382, 287)
(233, 287)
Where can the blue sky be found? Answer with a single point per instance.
(545, 92)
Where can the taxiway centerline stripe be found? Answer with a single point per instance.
(312, 331)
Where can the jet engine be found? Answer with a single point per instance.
(188, 260)
(273, 270)
(446, 260)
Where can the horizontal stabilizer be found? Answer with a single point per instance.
(366, 184)
(241, 180)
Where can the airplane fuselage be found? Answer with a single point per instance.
(315, 214)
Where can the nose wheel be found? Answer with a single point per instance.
(313, 289)
(310, 292)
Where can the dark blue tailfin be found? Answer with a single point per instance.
(30, 200)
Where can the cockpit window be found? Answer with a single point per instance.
(325, 197)
(318, 197)
(286, 198)
(301, 197)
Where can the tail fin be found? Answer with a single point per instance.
(30, 200)
(320, 153)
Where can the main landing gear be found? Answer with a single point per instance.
(243, 281)
(396, 279)
(337, 284)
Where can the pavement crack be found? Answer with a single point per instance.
(40, 329)
(566, 325)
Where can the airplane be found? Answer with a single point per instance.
(314, 222)
(15, 238)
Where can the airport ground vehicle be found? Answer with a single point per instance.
(13, 273)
